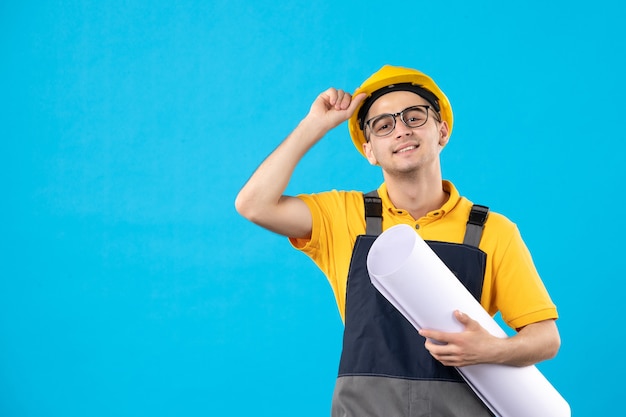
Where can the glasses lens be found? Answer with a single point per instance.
(415, 116)
(382, 125)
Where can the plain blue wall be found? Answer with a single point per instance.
(128, 284)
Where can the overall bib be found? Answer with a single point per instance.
(385, 370)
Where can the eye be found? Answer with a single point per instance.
(382, 124)
(415, 116)
(382, 127)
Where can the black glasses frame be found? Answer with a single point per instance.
(401, 114)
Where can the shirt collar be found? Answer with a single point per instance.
(447, 186)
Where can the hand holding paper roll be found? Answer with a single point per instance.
(415, 281)
(467, 347)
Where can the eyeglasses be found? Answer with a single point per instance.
(412, 117)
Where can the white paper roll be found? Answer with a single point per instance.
(413, 278)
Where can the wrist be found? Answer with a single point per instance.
(312, 128)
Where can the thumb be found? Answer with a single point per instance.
(464, 319)
(356, 101)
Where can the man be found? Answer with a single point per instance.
(400, 120)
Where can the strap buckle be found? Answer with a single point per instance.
(478, 215)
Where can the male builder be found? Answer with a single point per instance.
(400, 120)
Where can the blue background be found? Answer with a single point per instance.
(129, 286)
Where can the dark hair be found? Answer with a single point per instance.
(414, 88)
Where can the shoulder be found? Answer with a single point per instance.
(498, 230)
(461, 206)
(337, 218)
(503, 240)
(334, 202)
(499, 222)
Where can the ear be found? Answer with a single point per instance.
(369, 154)
(444, 133)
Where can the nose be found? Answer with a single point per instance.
(402, 129)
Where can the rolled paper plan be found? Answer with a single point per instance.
(413, 279)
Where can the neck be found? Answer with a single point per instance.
(417, 194)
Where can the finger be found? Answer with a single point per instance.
(345, 102)
(432, 334)
(465, 320)
(461, 317)
(356, 101)
(331, 95)
(435, 343)
(435, 347)
(340, 98)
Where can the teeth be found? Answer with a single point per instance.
(407, 149)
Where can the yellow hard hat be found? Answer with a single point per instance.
(388, 79)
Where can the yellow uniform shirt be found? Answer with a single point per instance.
(511, 286)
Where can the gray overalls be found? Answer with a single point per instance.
(385, 370)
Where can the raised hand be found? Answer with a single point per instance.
(333, 107)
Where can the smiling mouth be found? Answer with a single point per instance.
(406, 149)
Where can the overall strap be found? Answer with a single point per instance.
(373, 213)
(475, 224)
(374, 219)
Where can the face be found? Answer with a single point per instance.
(405, 149)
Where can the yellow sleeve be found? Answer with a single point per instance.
(514, 285)
(337, 219)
